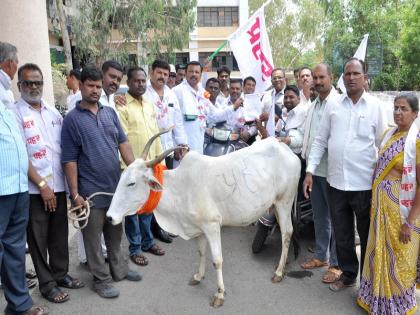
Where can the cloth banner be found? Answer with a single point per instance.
(359, 54)
(252, 50)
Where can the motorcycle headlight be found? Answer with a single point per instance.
(221, 134)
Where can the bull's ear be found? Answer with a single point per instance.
(154, 184)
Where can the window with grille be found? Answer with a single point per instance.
(217, 16)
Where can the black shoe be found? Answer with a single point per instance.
(163, 236)
(259, 238)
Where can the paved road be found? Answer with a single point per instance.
(164, 289)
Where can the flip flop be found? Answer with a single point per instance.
(156, 250)
(140, 260)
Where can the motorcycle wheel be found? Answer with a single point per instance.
(259, 238)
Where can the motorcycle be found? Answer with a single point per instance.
(221, 140)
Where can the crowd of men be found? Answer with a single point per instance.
(43, 157)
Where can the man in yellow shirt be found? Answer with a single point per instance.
(138, 120)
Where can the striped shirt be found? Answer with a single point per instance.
(13, 156)
(92, 142)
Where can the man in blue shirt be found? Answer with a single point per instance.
(91, 139)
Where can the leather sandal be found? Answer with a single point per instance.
(313, 263)
(156, 250)
(70, 283)
(140, 260)
(55, 295)
(332, 275)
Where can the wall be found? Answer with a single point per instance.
(24, 24)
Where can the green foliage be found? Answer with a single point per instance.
(116, 28)
(295, 30)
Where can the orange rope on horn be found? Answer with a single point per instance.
(154, 196)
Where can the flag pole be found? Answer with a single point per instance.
(218, 50)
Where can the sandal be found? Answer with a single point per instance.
(340, 285)
(30, 274)
(156, 250)
(70, 283)
(30, 283)
(332, 275)
(313, 263)
(140, 260)
(55, 295)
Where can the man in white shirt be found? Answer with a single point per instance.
(40, 126)
(290, 131)
(306, 81)
(196, 108)
(72, 83)
(112, 73)
(276, 94)
(168, 114)
(213, 87)
(325, 249)
(223, 75)
(351, 130)
(8, 68)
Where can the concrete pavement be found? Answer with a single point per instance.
(164, 289)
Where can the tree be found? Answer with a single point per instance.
(114, 29)
(295, 30)
(64, 34)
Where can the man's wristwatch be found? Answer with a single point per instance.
(42, 184)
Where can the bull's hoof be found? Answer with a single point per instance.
(193, 281)
(216, 302)
(276, 278)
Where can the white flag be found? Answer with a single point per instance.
(359, 54)
(252, 50)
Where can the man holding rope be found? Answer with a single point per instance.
(91, 139)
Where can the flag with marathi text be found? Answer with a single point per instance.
(252, 50)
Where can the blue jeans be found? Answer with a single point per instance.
(138, 232)
(13, 222)
(325, 248)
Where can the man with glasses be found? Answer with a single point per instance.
(274, 97)
(40, 126)
(171, 82)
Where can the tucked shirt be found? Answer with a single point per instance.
(198, 110)
(104, 100)
(92, 142)
(41, 132)
(352, 134)
(6, 95)
(168, 114)
(13, 156)
(138, 121)
(312, 123)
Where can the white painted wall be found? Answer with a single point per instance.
(24, 24)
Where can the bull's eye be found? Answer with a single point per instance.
(131, 184)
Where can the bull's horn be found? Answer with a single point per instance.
(149, 143)
(159, 158)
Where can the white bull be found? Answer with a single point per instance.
(205, 193)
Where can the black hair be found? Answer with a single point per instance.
(297, 70)
(180, 66)
(279, 69)
(223, 69)
(112, 64)
(362, 63)
(194, 63)
(75, 73)
(212, 80)
(304, 68)
(236, 81)
(250, 78)
(162, 64)
(92, 73)
(134, 69)
(411, 99)
(292, 88)
(28, 66)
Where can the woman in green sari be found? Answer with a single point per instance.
(390, 270)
